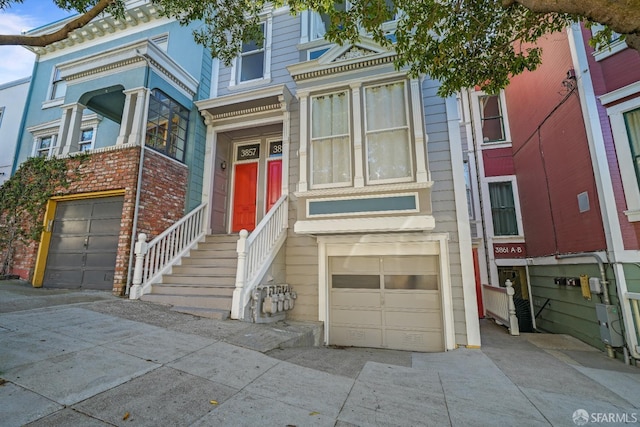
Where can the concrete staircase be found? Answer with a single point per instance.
(204, 282)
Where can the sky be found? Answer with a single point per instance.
(16, 62)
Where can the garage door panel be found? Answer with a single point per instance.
(428, 341)
(359, 337)
(100, 259)
(107, 209)
(98, 243)
(105, 225)
(412, 300)
(97, 279)
(356, 317)
(355, 299)
(74, 210)
(410, 264)
(78, 226)
(69, 260)
(411, 319)
(63, 278)
(70, 244)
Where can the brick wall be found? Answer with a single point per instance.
(162, 200)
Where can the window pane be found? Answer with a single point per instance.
(331, 160)
(167, 125)
(421, 282)
(632, 120)
(330, 115)
(491, 118)
(252, 66)
(59, 89)
(388, 155)
(503, 209)
(355, 281)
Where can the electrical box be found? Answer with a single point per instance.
(595, 285)
(610, 325)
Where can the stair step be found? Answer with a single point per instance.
(211, 254)
(176, 289)
(211, 313)
(219, 246)
(203, 270)
(187, 279)
(221, 238)
(193, 301)
(210, 262)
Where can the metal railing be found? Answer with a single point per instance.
(499, 305)
(156, 257)
(257, 251)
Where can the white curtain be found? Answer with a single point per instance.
(330, 144)
(388, 148)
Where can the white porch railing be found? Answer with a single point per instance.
(499, 305)
(156, 257)
(257, 251)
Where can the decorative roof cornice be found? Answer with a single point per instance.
(237, 113)
(341, 68)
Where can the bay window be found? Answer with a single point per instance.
(361, 136)
(167, 125)
(632, 122)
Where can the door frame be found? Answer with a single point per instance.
(49, 214)
(232, 182)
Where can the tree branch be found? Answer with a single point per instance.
(60, 34)
(622, 16)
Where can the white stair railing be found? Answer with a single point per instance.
(256, 252)
(153, 259)
(499, 305)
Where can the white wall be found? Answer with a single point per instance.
(13, 97)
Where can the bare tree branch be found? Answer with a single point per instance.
(61, 34)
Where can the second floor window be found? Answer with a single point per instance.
(167, 125)
(491, 118)
(632, 122)
(330, 140)
(503, 209)
(45, 146)
(387, 133)
(86, 140)
(58, 85)
(251, 61)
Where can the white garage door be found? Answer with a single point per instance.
(386, 302)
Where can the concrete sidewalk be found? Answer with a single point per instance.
(81, 358)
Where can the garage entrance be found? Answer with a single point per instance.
(386, 302)
(84, 244)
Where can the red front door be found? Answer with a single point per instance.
(274, 182)
(244, 196)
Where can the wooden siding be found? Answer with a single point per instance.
(498, 162)
(567, 312)
(599, 78)
(552, 158)
(443, 204)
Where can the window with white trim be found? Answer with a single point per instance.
(251, 63)
(632, 123)
(58, 85)
(86, 139)
(387, 133)
(330, 140)
(167, 124)
(45, 145)
(503, 209)
(491, 118)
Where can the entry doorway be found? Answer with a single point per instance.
(256, 184)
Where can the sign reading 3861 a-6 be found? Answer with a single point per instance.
(509, 250)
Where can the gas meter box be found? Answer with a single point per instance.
(610, 325)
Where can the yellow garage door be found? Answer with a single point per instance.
(386, 302)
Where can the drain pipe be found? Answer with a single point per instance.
(136, 208)
(605, 285)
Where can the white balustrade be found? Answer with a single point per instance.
(155, 258)
(499, 305)
(256, 252)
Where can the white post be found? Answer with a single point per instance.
(514, 329)
(237, 311)
(140, 250)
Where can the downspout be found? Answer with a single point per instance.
(134, 229)
(605, 285)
